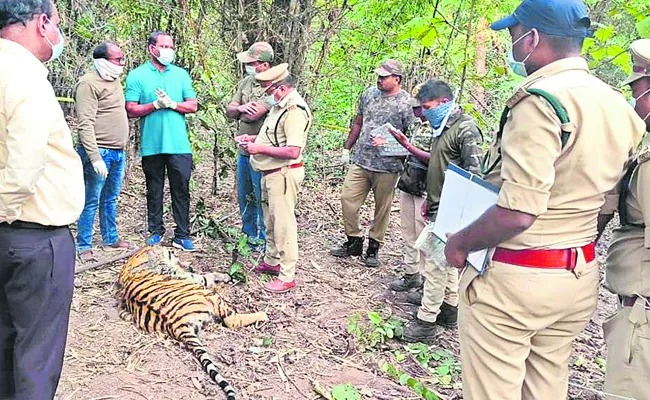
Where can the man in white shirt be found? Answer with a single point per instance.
(41, 193)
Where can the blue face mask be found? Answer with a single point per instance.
(518, 67)
(57, 49)
(438, 114)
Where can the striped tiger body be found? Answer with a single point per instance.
(162, 297)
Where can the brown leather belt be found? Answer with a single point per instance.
(554, 259)
(628, 301)
(292, 166)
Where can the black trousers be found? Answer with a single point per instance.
(36, 283)
(179, 170)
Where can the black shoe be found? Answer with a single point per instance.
(408, 281)
(353, 247)
(371, 259)
(414, 298)
(448, 316)
(421, 331)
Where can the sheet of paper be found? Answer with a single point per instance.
(464, 198)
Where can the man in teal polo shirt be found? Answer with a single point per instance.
(161, 94)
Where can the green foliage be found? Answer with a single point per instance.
(442, 364)
(345, 392)
(375, 331)
(406, 380)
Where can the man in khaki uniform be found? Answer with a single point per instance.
(381, 104)
(277, 153)
(627, 332)
(249, 108)
(518, 319)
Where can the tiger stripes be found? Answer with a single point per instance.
(163, 298)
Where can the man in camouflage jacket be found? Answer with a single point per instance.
(385, 103)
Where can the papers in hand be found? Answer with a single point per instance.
(464, 198)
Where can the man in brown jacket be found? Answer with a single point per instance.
(103, 132)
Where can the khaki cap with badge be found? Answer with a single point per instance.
(274, 74)
(390, 67)
(640, 50)
(259, 51)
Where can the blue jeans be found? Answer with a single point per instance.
(102, 194)
(249, 196)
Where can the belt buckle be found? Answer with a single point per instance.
(573, 259)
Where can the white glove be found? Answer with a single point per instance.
(100, 168)
(164, 101)
(345, 156)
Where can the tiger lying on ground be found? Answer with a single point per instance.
(162, 297)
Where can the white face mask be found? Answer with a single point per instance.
(107, 70)
(518, 67)
(250, 70)
(166, 56)
(57, 49)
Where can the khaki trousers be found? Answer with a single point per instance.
(279, 195)
(516, 327)
(412, 224)
(439, 285)
(627, 334)
(357, 185)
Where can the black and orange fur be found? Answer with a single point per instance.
(162, 297)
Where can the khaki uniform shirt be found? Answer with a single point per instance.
(102, 120)
(249, 90)
(293, 123)
(564, 188)
(41, 177)
(628, 258)
(460, 144)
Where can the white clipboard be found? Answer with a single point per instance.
(464, 198)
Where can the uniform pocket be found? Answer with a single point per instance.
(467, 286)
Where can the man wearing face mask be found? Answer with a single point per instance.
(277, 153)
(627, 332)
(103, 129)
(564, 140)
(455, 138)
(161, 94)
(250, 109)
(41, 193)
(384, 103)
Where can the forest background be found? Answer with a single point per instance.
(332, 47)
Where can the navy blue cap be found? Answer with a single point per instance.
(552, 17)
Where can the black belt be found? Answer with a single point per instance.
(29, 225)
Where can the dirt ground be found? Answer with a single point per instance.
(108, 358)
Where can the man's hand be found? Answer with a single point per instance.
(379, 141)
(399, 136)
(454, 254)
(244, 139)
(164, 101)
(345, 156)
(251, 147)
(100, 168)
(251, 108)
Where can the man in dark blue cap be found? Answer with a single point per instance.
(562, 145)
